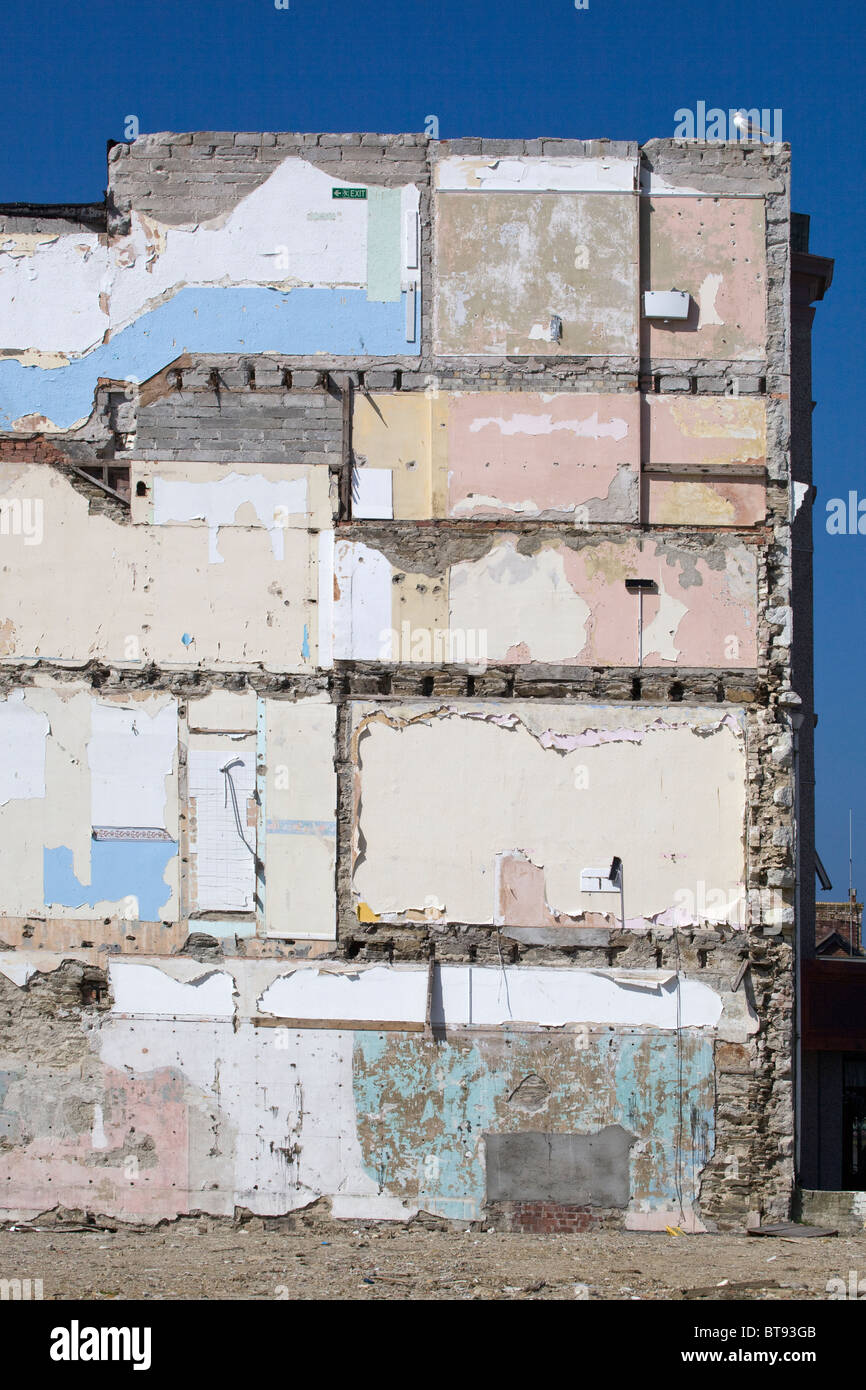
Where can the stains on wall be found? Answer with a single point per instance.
(523, 454)
(713, 248)
(556, 784)
(541, 273)
(517, 599)
(143, 1121)
(291, 268)
(232, 577)
(706, 461)
(426, 1114)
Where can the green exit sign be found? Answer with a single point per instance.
(348, 192)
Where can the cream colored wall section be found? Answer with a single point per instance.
(139, 593)
(556, 784)
(216, 495)
(99, 837)
(223, 711)
(300, 809)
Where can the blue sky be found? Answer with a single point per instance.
(72, 73)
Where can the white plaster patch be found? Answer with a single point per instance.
(657, 186)
(710, 286)
(51, 290)
(146, 990)
(130, 754)
(23, 735)
(97, 1131)
(659, 636)
(476, 499)
(362, 617)
(519, 600)
(217, 503)
(801, 492)
(382, 992)
(16, 968)
(590, 428)
(536, 175)
(482, 995)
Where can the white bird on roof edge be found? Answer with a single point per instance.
(749, 129)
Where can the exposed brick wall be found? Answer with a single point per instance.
(34, 449)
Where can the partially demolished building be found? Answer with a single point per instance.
(403, 690)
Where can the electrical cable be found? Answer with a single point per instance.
(230, 787)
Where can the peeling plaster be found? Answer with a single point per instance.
(218, 503)
(124, 309)
(146, 991)
(506, 175)
(563, 796)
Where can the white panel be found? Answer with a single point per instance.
(130, 754)
(379, 992)
(372, 494)
(362, 620)
(23, 733)
(587, 175)
(224, 867)
(145, 989)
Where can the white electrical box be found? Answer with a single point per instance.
(666, 304)
(597, 881)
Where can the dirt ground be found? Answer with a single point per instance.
(206, 1259)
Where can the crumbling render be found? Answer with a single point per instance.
(308, 837)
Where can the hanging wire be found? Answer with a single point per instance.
(230, 789)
